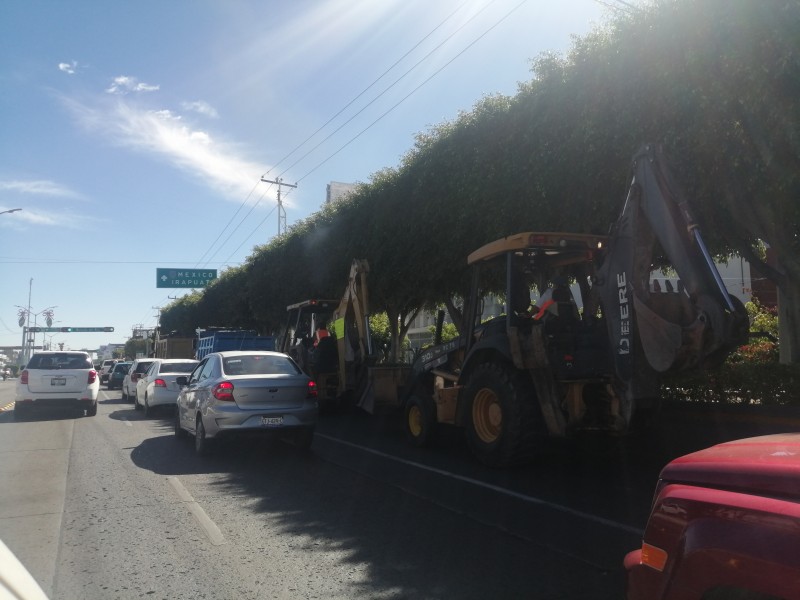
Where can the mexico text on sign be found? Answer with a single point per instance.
(184, 278)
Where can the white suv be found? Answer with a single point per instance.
(106, 368)
(137, 371)
(57, 380)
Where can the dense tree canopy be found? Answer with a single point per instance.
(716, 81)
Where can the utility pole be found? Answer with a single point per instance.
(281, 213)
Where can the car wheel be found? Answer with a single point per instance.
(136, 405)
(20, 413)
(179, 431)
(148, 411)
(92, 410)
(124, 395)
(201, 443)
(303, 438)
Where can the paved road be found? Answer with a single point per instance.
(113, 506)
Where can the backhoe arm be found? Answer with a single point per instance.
(695, 323)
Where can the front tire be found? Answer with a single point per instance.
(92, 410)
(503, 419)
(124, 395)
(180, 432)
(420, 420)
(148, 410)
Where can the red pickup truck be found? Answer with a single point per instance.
(724, 525)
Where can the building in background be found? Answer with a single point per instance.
(337, 189)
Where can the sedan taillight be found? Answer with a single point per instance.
(223, 391)
(160, 383)
(23, 377)
(312, 389)
(92, 376)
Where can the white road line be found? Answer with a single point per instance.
(529, 499)
(212, 531)
(124, 420)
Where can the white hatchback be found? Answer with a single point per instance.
(157, 387)
(55, 379)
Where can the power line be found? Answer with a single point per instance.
(394, 83)
(412, 92)
(374, 82)
(345, 107)
(228, 224)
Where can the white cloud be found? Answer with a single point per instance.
(162, 133)
(202, 107)
(40, 187)
(68, 67)
(124, 84)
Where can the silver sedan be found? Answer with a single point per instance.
(246, 393)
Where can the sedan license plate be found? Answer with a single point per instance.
(271, 421)
(58, 381)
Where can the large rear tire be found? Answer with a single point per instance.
(92, 410)
(503, 419)
(420, 420)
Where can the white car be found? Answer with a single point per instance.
(157, 387)
(55, 379)
(105, 369)
(137, 370)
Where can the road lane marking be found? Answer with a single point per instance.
(529, 499)
(7, 407)
(124, 420)
(212, 531)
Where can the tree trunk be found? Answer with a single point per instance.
(789, 320)
(399, 324)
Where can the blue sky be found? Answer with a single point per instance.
(135, 134)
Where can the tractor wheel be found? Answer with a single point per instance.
(503, 418)
(420, 420)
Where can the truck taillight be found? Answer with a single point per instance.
(223, 391)
(312, 389)
(23, 377)
(92, 375)
(160, 383)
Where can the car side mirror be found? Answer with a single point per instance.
(182, 380)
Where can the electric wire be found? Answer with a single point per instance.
(371, 85)
(331, 119)
(412, 92)
(393, 84)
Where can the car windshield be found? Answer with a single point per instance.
(259, 364)
(183, 367)
(60, 361)
(143, 366)
(122, 368)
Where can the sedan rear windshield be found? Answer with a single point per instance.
(178, 367)
(143, 366)
(260, 365)
(63, 360)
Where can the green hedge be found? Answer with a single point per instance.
(743, 383)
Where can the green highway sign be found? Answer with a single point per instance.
(70, 329)
(184, 278)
